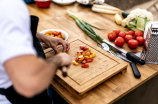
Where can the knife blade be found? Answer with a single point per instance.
(129, 55)
(133, 65)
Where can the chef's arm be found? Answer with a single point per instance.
(31, 75)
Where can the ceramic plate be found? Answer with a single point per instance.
(62, 31)
(64, 2)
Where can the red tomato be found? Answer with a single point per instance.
(112, 36)
(128, 37)
(122, 34)
(131, 32)
(85, 48)
(89, 60)
(81, 46)
(54, 33)
(84, 61)
(85, 66)
(140, 40)
(117, 31)
(132, 43)
(119, 41)
(138, 33)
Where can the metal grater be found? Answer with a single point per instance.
(150, 49)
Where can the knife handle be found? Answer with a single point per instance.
(135, 58)
(135, 70)
(64, 71)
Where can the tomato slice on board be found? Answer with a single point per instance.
(85, 66)
(89, 60)
(80, 51)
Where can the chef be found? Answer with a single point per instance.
(24, 76)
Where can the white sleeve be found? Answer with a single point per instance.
(15, 33)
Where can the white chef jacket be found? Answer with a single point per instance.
(15, 37)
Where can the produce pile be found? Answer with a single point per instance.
(55, 34)
(135, 20)
(133, 39)
(84, 56)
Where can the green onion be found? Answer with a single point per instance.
(87, 28)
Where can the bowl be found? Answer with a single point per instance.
(43, 3)
(58, 30)
(64, 2)
(29, 1)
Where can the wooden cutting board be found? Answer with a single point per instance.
(80, 80)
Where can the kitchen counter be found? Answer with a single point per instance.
(113, 89)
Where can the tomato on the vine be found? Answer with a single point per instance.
(112, 36)
(132, 43)
(119, 41)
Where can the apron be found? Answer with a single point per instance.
(10, 92)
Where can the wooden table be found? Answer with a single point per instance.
(114, 88)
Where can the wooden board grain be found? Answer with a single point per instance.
(81, 80)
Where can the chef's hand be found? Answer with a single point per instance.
(53, 42)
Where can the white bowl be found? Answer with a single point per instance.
(63, 2)
(62, 31)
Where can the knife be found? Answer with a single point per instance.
(129, 55)
(133, 65)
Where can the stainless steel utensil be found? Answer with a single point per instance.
(132, 63)
(129, 55)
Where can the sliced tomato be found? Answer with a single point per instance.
(81, 46)
(85, 66)
(85, 58)
(76, 59)
(89, 60)
(85, 48)
(80, 51)
(84, 61)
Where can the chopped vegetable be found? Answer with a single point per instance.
(124, 22)
(85, 66)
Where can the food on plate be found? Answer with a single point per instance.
(112, 36)
(140, 40)
(117, 31)
(84, 56)
(138, 33)
(138, 19)
(128, 37)
(119, 41)
(55, 34)
(133, 43)
(122, 34)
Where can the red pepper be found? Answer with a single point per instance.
(89, 60)
(85, 66)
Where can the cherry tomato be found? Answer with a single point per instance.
(84, 61)
(128, 37)
(112, 36)
(117, 31)
(89, 60)
(54, 33)
(85, 48)
(132, 43)
(85, 66)
(140, 40)
(122, 34)
(119, 41)
(138, 33)
(131, 32)
(81, 46)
